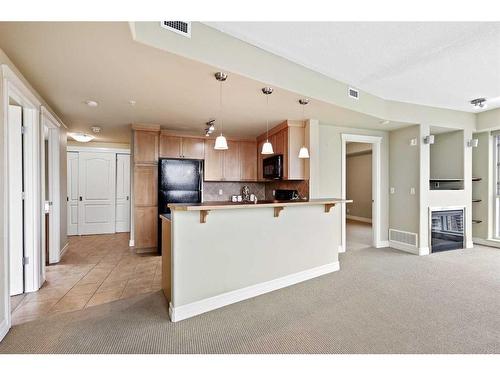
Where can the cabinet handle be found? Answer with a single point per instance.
(80, 199)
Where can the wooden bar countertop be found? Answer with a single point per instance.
(205, 206)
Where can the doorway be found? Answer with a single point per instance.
(368, 234)
(359, 189)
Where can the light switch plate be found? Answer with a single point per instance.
(221, 192)
(412, 191)
(413, 142)
(392, 190)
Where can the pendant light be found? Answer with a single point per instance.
(220, 141)
(267, 147)
(303, 152)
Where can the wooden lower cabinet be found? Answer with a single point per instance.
(146, 227)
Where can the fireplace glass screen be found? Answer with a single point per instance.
(447, 230)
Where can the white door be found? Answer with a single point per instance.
(122, 193)
(72, 176)
(16, 225)
(96, 200)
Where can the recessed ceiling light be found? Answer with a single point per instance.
(96, 129)
(81, 137)
(91, 103)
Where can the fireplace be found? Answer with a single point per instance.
(447, 230)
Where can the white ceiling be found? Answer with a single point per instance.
(70, 62)
(439, 64)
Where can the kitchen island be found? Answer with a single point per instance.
(218, 253)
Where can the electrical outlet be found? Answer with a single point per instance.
(221, 192)
(412, 191)
(274, 192)
(393, 190)
(413, 142)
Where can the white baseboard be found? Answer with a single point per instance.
(469, 245)
(131, 243)
(4, 329)
(404, 247)
(63, 250)
(424, 251)
(382, 244)
(199, 307)
(482, 241)
(341, 248)
(359, 218)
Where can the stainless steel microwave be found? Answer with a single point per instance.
(273, 167)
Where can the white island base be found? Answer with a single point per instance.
(215, 255)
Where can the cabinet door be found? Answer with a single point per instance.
(232, 161)
(280, 147)
(146, 227)
(193, 148)
(145, 147)
(248, 161)
(170, 146)
(260, 158)
(146, 185)
(213, 162)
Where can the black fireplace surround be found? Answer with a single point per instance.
(447, 231)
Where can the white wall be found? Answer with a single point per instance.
(404, 161)
(447, 155)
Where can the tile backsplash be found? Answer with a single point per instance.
(263, 190)
(211, 190)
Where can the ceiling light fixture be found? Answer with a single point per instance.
(304, 151)
(91, 103)
(96, 129)
(210, 128)
(474, 142)
(429, 139)
(267, 147)
(479, 103)
(220, 141)
(81, 137)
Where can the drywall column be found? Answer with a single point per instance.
(425, 170)
(482, 166)
(4, 290)
(468, 187)
(312, 164)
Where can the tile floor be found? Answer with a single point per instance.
(94, 270)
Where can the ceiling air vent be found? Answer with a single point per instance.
(353, 93)
(179, 27)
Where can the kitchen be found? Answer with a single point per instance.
(231, 216)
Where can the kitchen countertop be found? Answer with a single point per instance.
(205, 206)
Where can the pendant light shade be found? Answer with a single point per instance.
(220, 143)
(267, 148)
(304, 153)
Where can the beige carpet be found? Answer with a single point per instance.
(381, 301)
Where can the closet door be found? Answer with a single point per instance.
(97, 188)
(72, 176)
(122, 193)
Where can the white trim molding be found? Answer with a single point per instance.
(199, 307)
(131, 243)
(4, 328)
(64, 249)
(375, 141)
(359, 218)
(485, 242)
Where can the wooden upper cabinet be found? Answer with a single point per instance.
(248, 161)
(170, 146)
(145, 185)
(181, 147)
(260, 158)
(145, 146)
(193, 148)
(213, 162)
(232, 161)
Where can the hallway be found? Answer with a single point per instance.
(359, 235)
(93, 271)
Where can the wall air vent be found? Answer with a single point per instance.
(179, 27)
(353, 93)
(402, 237)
